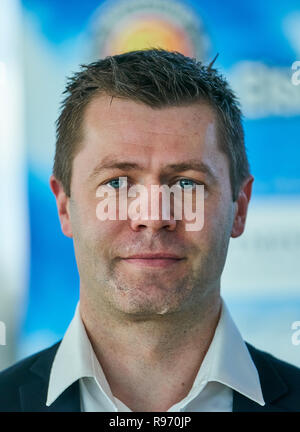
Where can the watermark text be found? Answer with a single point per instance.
(296, 335)
(134, 203)
(296, 75)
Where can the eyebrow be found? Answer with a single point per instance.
(189, 165)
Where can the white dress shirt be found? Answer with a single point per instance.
(226, 366)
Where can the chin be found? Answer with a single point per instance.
(150, 296)
(148, 306)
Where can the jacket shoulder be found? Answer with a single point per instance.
(20, 374)
(286, 369)
(287, 374)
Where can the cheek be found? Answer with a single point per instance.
(218, 220)
(106, 235)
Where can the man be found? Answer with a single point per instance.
(151, 331)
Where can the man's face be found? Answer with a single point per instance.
(148, 141)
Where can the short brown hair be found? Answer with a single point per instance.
(157, 78)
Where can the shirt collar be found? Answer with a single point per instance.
(227, 361)
(75, 359)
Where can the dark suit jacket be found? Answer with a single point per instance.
(24, 386)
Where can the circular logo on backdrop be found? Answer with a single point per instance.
(129, 25)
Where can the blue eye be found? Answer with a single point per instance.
(187, 183)
(116, 183)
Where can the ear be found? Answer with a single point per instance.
(62, 202)
(242, 207)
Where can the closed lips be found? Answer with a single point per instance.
(154, 256)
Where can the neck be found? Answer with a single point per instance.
(151, 362)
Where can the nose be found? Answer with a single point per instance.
(151, 211)
(153, 225)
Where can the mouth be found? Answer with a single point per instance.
(161, 260)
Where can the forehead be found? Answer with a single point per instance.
(152, 138)
(127, 125)
(117, 115)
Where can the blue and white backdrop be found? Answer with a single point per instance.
(42, 42)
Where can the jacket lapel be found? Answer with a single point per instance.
(33, 395)
(273, 387)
